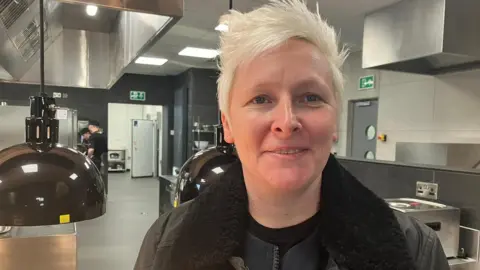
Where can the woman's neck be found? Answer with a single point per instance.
(283, 210)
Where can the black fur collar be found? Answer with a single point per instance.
(359, 230)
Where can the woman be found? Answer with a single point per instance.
(288, 204)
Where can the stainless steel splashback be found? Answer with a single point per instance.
(81, 51)
(455, 155)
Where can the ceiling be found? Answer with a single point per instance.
(196, 29)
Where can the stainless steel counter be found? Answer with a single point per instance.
(172, 179)
(39, 248)
(166, 193)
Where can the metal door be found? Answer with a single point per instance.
(143, 148)
(363, 138)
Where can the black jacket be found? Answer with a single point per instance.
(358, 229)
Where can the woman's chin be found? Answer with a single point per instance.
(288, 179)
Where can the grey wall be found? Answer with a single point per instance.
(195, 96)
(202, 103)
(180, 122)
(167, 140)
(389, 180)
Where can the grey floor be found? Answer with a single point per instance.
(113, 240)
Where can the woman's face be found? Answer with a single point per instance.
(282, 117)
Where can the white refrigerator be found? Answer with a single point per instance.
(143, 148)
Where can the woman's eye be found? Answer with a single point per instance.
(260, 100)
(312, 98)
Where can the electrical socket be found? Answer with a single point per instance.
(427, 190)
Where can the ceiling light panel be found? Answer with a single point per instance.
(153, 61)
(199, 52)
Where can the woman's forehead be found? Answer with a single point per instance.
(292, 64)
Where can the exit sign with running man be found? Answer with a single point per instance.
(366, 82)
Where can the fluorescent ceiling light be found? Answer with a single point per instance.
(30, 168)
(199, 52)
(217, 170)
(222, 27)
(151, 61)
(91, 10)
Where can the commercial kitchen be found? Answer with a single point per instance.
(146, 72)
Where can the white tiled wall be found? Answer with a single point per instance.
(416, 108)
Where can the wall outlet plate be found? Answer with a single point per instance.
(427, 190)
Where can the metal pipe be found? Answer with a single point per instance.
(42, 50)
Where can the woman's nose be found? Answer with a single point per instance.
(285, 121)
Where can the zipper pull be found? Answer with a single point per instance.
(238, 263)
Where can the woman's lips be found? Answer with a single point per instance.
(290, 153)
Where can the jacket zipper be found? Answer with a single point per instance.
(276, 258)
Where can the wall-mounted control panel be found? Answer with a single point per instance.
(427, 190)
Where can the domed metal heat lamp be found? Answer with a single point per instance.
(41, 182)
(204, 168)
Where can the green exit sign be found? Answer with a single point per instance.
(366, 82)
(138, 95)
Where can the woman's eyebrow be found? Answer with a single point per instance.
(310, 83)
(262, 87)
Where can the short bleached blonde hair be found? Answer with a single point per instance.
(250, 34)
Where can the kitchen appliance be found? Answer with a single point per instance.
(116, 161)
(143, 148)
(68, 127)
(201, 145)
(443, 219)
(204, 168)
(5, 229)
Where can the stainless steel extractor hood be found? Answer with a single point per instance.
(81, 50)
(423, 36)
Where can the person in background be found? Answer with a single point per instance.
(85, 136)
(288, 204)
(98, 144)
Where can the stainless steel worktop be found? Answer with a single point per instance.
(166, 193)
(39, 248)
(171, 178)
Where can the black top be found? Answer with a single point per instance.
(98, 142)
(284, 238)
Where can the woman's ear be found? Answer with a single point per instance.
(335, 137)
(227, 131)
